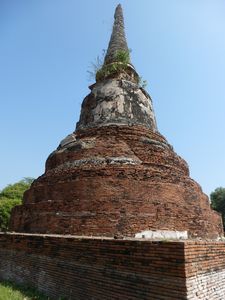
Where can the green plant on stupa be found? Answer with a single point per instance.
(122, 59)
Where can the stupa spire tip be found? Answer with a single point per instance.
(118, 38)
(119, 6)
(117, 61)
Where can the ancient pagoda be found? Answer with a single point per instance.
(116, 175)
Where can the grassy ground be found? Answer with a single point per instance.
(10, 291)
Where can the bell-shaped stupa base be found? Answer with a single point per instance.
(115, 181)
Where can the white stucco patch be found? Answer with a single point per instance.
(162, 234)
(119, 101)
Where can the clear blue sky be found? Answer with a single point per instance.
(47, 47)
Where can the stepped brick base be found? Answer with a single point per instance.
(116, 180)
(94, 268)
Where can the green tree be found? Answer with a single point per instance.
(218, 201)
(10, 196)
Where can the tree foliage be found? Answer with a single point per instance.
(10, 196)
(218, 201)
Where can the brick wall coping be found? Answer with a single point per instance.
(180, 241)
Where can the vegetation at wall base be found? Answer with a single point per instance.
(11, 291)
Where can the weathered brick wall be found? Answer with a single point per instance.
(86, 268)
(94, 268)
(205, 270)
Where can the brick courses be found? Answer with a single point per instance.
(116, 180)
(82, 268)
(205, 270)
(97, 268)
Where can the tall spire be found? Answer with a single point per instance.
(118, 39)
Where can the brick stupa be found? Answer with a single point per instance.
(116, 175)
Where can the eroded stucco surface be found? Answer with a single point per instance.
(117, 102)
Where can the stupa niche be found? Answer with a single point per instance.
(116, 174)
